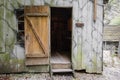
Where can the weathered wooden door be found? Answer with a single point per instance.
(36, 35)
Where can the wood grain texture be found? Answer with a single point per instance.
(89, 37)
(111, 33)
(99, 25)
(36, 61)
(37, 35)
(74, 36)
(40, 25)
(59, 60)
(37, 9)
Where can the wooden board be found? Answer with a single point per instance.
(111, 33)
(36, 32)
(58, 58)
(37, 61)
(62, 70)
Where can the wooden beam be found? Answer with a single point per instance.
(37, 14)
(95, 10)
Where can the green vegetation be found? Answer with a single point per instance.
(115, 21)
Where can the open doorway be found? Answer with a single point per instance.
(61, 34)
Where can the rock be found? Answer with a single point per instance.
(112, 11)
(107, 58)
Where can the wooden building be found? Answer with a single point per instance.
(111, 38)
(51, 35)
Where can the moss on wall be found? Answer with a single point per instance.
(1, 26)
(12, 63)
(115, 21)
(4, 63)
(79, 57)
(1, 36)
(42, 68)
(17, 65)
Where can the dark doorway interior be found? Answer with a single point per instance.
(61, 32)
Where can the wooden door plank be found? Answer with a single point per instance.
(36, 61)
(37, 14)
(36, 35)
(62, 70)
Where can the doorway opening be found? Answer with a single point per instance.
(61, 35)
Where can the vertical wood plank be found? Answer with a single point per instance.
(99, 25)
(74, 35)
(79, 48)
(79, 38)
(89, 37)
(83, 18)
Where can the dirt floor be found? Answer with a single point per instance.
(111, 71)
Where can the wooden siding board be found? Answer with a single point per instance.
(79, 48)
(74, 36)
(100, 37)
(83, 18)
(89, 38)
(79, 31)
(94, 47)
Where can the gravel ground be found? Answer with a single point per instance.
(109, 73)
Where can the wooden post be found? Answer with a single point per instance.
(95, 10)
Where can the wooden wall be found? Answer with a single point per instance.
(111, 33)
(86, 41)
